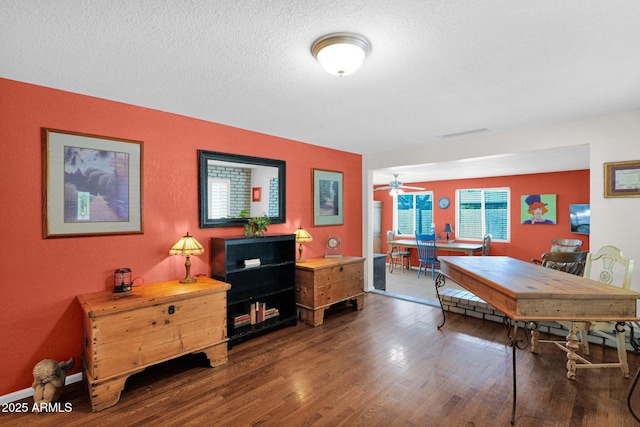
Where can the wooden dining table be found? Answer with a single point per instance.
(524, 291)
(467, 248)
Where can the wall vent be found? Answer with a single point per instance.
(464, 133)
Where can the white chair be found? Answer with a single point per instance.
(604, 266)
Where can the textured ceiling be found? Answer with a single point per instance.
(436, 67)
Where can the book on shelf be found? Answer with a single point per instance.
(257, 313)
(241, 324)
(241, 320)
(252, 263)
(241, 317)
(252, 311)
(270, 313)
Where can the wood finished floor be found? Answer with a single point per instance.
(387, 365)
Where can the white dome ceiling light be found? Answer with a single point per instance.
(341, 54)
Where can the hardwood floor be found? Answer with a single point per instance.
(387, 365)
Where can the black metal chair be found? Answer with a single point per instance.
(427, 255)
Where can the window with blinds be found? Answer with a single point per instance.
(219, 197)
(413, 213)
(481, 211)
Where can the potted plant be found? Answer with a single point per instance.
(255, 226)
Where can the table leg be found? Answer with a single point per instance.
(572, 357)
(439, 283)
(515, 343)
(513, 366)
(622, 349)
(535, 337)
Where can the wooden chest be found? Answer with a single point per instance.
(126, 332)
(321, 282)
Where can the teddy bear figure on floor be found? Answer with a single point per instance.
(48, 380)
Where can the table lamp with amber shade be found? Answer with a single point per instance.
(302, 236)
(187, 246)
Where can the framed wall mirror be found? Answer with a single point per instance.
(231, 185)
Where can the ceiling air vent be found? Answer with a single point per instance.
(464, 133)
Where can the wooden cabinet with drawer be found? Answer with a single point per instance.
(126, 332)
(321, 282)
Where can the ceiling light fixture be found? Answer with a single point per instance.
(341, 54)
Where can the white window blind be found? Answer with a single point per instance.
(219, 197)
(413, 213)
(482, 211)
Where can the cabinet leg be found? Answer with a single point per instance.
(312, 317)
(216, 354)
(318, 317)
(105, 394)
(358, 302)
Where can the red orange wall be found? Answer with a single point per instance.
(40, 317)
(527, 241)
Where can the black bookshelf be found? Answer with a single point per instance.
(267, 289)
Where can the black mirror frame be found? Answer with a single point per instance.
(203, 158)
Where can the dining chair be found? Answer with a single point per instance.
(562, 245)
(486, 244)
(427, 255)
(397, 254)
(569, 262)
(565, 245)
(608, 266)
(604, 266)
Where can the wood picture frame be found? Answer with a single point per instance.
(328, 197)
(622, 179)
(92, 185)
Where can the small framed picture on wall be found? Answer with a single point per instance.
(328, 203)
(92, 184)
(622, 179)
(256, 194)
(538, 209)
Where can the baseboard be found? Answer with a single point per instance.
(28, 392)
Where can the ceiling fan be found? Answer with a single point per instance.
(396, 186)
